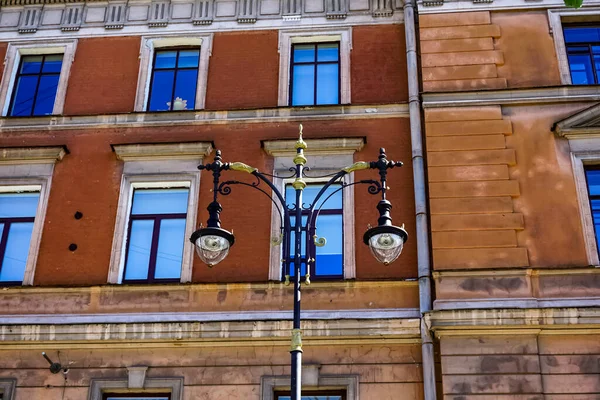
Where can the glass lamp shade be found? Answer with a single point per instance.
(386, 242)
(212, 244)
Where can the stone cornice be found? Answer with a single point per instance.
(507, 321)
(161, 151)
(201, 117)
(283, 148)
(448, 6)
(554, 94)
(32, 155)
(182, 334)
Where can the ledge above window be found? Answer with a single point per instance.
(32, 155)
(161, 151)
(282, 148)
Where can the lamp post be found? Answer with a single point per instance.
(213, 242)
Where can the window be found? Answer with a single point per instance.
(17, 215)
(35, 85)
(329, 261)
(592, 175)
(173, 73)
(156, 235)
(315, 74)
(7, 388)
(583, 52)
(157, 209)
(132, 396)
(316, 395)
(174, 80)
(314, 67)
(35, 78)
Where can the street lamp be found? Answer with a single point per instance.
(213, 242)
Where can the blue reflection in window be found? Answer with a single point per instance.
(17, 215)
(315, 74)
(36, 84)
(174, 80)
(329, 258)
(156, 235)
(583, 54)
(593, 183)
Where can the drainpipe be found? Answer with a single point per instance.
(423, 259)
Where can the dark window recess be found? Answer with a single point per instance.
(137, 396)
(174, 80)
(592, 175)
(17, 214)
(35, 86)
(314, 395)
(583, 52)
(156, 235)
(315, 74)
(329, 263)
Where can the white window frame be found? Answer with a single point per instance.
(556, 19)
(151, 43)
(330, 155)
(173, 386)
(7, 388)
(25, 169)
(173, 168)
(16, 51)
(289, 37)
(311, 380)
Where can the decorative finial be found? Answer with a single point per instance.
(300, 144)
(300, 133)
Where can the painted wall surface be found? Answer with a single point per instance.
(88, 180)
(217, 372)
(103, 77)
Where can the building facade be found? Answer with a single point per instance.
(109, 108)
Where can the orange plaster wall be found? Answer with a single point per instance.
(529, 55)
(88, 180)
(103, 76)
(378, 64)
(243, 70)
(553, 234)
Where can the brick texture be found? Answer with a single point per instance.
(473, 222)
(458, 52)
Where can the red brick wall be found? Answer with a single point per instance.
(243, 71)
(378, 65)
(88, 180)
(103, 76)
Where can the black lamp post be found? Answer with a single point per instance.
(213, 242)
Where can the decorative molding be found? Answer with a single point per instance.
(32, 155)
(136, 377)
(180, 334)
(286, 148)
(98, 387)
(450, 6)
(162, 151)
(169, 317)
(520, 303)
(555, 94)
(173, 118)
(350, 383)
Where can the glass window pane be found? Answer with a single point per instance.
(138, 249)
(302, 248)
(581, 35)
(46, 94)
(185, 89)
(310, 193)
(593, 181)
(18, 204)
(581, 69)
(17, 249)
(161, 90)
(53, 63)
(304, 53)
(170, 249)
(160, 201)
(327, 52)
(165, 59)
(31, 64)
(330, 257)
(327, 84)
(24, 94)
(188, 58)
(303, 85)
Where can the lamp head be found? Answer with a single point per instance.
(212, 244)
